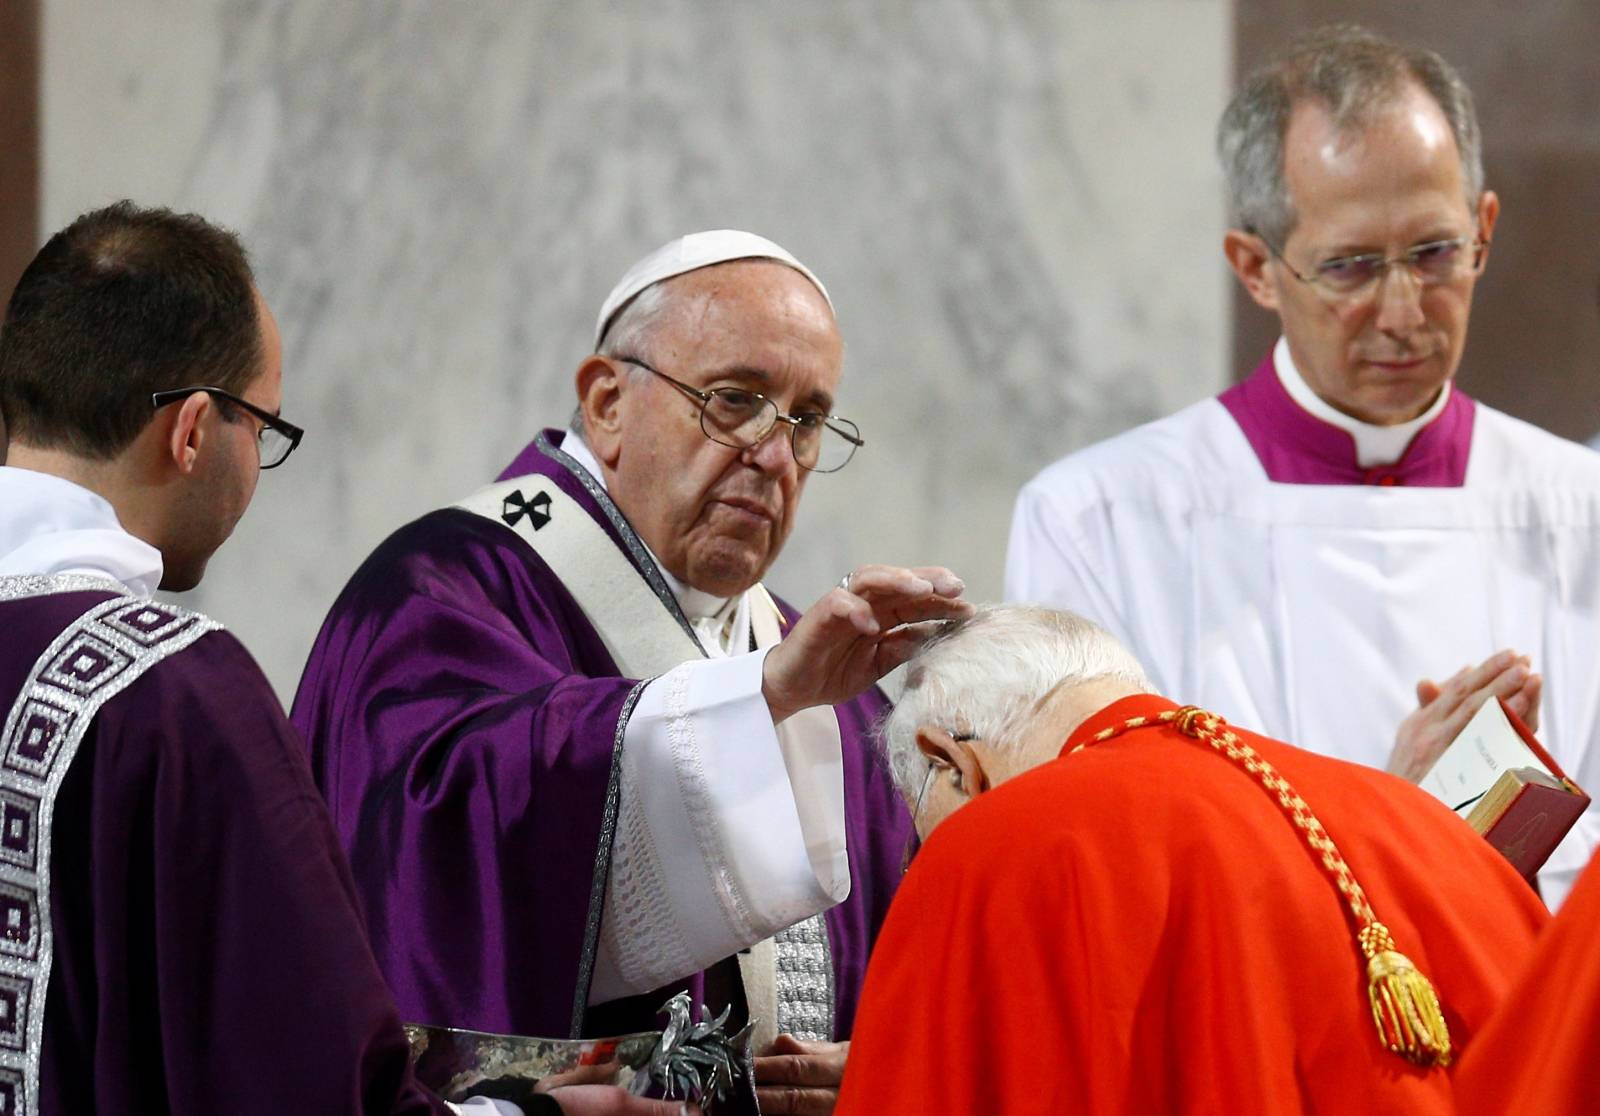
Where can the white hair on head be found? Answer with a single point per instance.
(983, 676)
(628, 335)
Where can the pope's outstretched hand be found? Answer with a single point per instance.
(854, 636)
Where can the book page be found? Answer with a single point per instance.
(1487, 747)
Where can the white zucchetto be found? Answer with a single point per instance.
(691, 253)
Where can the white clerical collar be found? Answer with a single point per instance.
(49, 525)
(697, 606)
(1375, 445)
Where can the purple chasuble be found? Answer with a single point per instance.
(1296, 447)
(464, 721)
(206, 952)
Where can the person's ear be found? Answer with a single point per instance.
(1247, 254)
(945, 750)
(1488, 214)
(600, 383)
(187, 432)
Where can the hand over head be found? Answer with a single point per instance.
(852, 637)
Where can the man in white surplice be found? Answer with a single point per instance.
(575, 750)
(1312, 549)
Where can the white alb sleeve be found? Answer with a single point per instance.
(728, 831)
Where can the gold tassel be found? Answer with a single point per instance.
(1405, 1007)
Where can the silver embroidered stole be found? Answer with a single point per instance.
(95, 658)
(805, 980)
(801, 962)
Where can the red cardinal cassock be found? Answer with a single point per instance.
(1142, 926)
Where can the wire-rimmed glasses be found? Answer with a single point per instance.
(1432, 264)
(276, 439)
(740, 418)
(936, 764)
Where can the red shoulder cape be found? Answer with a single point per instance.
(1138, 927)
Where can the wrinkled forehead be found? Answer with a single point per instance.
(1400, 161)
(756, 313)
(762, 287)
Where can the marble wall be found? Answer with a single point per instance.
(1014, 204)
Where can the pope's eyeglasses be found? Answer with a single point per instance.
(739, 419)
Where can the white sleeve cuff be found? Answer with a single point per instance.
(729, 830)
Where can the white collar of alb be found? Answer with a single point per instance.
(49, 525)
(695, 604)
(1375, 445)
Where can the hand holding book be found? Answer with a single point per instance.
(1497, 776)
(1444, 708)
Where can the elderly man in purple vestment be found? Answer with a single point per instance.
(178, 931)
(1309, 551)
(576, 752)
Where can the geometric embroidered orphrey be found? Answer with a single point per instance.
(805, 980)
(95, 658)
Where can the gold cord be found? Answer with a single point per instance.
(1405, 1007)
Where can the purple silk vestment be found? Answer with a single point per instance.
(1296, 447)
(464, 721)
(207, 954)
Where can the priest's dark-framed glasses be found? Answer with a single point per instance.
(276, 439)
(1432, 264)
(740, 418)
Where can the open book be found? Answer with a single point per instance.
(1508, 788)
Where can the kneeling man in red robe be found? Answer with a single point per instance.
(1141, 908)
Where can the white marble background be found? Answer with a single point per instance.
(1014, 204)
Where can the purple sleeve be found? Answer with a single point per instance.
(462, 718)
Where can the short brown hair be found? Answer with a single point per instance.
(122, 303)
